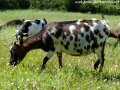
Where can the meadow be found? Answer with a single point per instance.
(77, 72)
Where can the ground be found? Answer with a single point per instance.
(77, 72)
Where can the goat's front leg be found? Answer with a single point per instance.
(47, 57)
(59, 56)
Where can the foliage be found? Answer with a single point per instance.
(14, 4)
(67, 5)
(47, 4)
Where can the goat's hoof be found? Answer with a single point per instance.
(95, 66)
(100, 70)
(43, 68)
(60, 67)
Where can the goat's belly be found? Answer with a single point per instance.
(74, 51)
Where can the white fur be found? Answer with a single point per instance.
(82, 30)
(78, 22)
(71, 28)
(34, 28)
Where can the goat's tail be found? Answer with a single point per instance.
(106, 22)
(112, 33)
(115, 34)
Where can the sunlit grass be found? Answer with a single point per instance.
(77, 72)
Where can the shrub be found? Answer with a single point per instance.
(68, 5)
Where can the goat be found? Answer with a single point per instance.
(76, 38)
(28, 25)
(29, 28)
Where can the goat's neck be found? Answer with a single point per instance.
(34, 42)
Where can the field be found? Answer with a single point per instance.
(77, 72)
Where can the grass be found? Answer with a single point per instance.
(77, 72)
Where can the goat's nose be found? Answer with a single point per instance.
(12, 63)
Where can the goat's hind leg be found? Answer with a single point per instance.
(59, 56)
(102, 57)
(100, 61)
(46, 58)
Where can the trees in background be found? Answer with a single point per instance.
(14, 4)
(67, 5)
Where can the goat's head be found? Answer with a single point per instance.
(17, 53)
(30, 27)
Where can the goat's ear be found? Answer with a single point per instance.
(45, 21)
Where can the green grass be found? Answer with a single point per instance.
(77, 72)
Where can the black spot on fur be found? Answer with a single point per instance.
(64, 37)
(88, 38)
(101, 36)
(86, 28)
(71, 38)
(88, 47)
(48, 44)
(28, 23)
(91, 35)
(58, 33)
(96, 32)
(61, 42)
(24, 27)
(66, 45)
(75, 44)
(76, 37)
(106, 32)
(37, 21)
(82, 35)
(95, 44)
(79, 51)
(43, 25)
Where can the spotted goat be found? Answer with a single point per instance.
(29, 28)
(76, 38)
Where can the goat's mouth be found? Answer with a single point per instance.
(14, 63)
